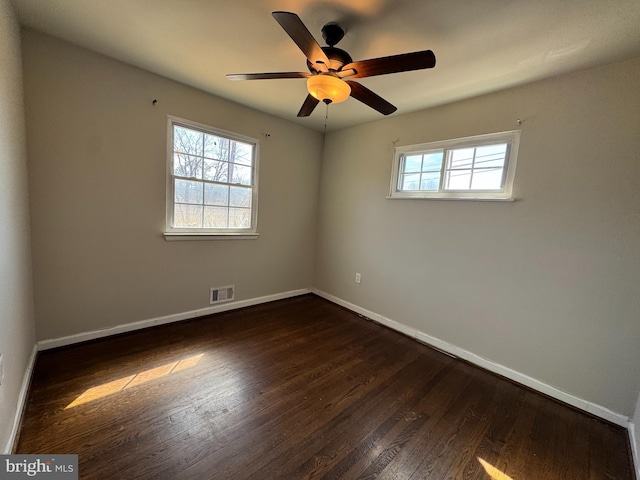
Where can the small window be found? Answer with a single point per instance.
(212, 180)
(473, 168)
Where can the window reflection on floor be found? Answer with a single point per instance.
(492, 471)
(131, 381)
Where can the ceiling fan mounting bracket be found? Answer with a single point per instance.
(332, 33)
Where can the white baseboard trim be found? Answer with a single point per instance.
(177, 317)
(458, 352)
(633, 438)
(22, 399)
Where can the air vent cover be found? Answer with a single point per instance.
(222, 294)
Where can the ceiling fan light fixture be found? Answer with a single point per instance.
(328, 88)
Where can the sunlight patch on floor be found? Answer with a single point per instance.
(124, 383)
(492, 471)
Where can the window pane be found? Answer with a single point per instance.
(216, 194)
(478, 167)
(216, 147)
(242, 153)
(212, 177)
(432, 161)
(215, 217)
(240, 197)
(411, 181)
(239, 218)
(187, 191)
(490, 179)
(461, 158)
(187, 165)
(240, 174)
(189, 216)
(491, 156)
(430, 181)
(216, 171)
(412, 163)
(187, 141)
(458, 180)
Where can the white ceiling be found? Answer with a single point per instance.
(480, 46)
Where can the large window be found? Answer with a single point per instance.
(212, 180)
(474, 168)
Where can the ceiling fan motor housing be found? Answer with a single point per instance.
(337, 59)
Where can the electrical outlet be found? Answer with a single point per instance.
(358, 278)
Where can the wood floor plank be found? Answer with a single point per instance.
(300, 389)
(363, 438)
(318, 451)
(434, 406)
(491, 434)
(302, 413)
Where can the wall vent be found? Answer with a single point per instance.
(222, 294)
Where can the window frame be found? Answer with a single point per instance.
(505, 193)
(189, 233)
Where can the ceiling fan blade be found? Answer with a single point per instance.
(294, 27)
(307, 107)
(267, 76)
(404, 62)
(366, 96)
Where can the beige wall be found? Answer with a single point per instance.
(16, 297)
(549, 285)
(97, 160)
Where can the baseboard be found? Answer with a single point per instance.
(635, 454)
(470, 357)
(151, 322)
(22, 400)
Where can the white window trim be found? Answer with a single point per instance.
(172, 233)
(505, 194)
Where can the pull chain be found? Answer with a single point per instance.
(326, 117)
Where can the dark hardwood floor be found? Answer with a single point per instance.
(296, 389)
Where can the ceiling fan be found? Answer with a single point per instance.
(331, 69)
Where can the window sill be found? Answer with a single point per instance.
(179, 236)
(468, 199)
